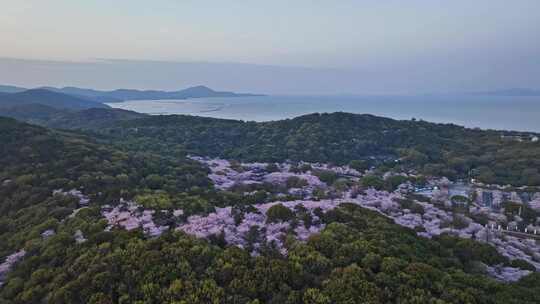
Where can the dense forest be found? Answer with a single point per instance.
(35, 161)
(433, 149)
(448, 150)
(360, 257)
(94, 118)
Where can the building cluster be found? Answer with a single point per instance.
(493, 198)
(488, 201)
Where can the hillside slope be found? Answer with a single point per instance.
(94, 118)
(10, 89)
(48, 98)
(429, 148)
(71, 256)
(120, 95)
(435, 149)
(34, 161)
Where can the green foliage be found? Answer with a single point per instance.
(372, 181)
(413, 156)
(295, 182)
(326, 176)
(350, 285)
(411, 205)
(359, 165)
(522, 264)
(360, 257)
(305, 168)
(528, 214)
(459, 222)
(35, 161)
(341, 138)
(158, 200)
(392, 182)
(279, 213)
(272, 167)
(459, 199)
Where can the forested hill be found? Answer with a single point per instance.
(34, 161)
(336, 137)
(449, 150)
(437, 149)
(70, 257)
(120, 95)
(48, 98)
(94, 118)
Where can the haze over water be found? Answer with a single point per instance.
(486, 112)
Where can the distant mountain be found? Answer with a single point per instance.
(11, 89)
(202, 91)
(48, 98)
(511, 92)
(120, 95)
(130, 94)
(90, 94)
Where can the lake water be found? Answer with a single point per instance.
(487, 112)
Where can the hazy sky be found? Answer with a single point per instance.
(386, 46)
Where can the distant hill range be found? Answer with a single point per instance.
(47, 98)
(511, 92)
(91, 118)
(11, 89)
(72, 107)
(129, 94)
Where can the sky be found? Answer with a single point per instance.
(286, 47)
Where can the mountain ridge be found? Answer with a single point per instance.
(10, 89)
(92, 118)
(48, 98)
(120, 95)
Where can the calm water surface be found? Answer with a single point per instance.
(487, 112)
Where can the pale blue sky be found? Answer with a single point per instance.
(438, 45)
